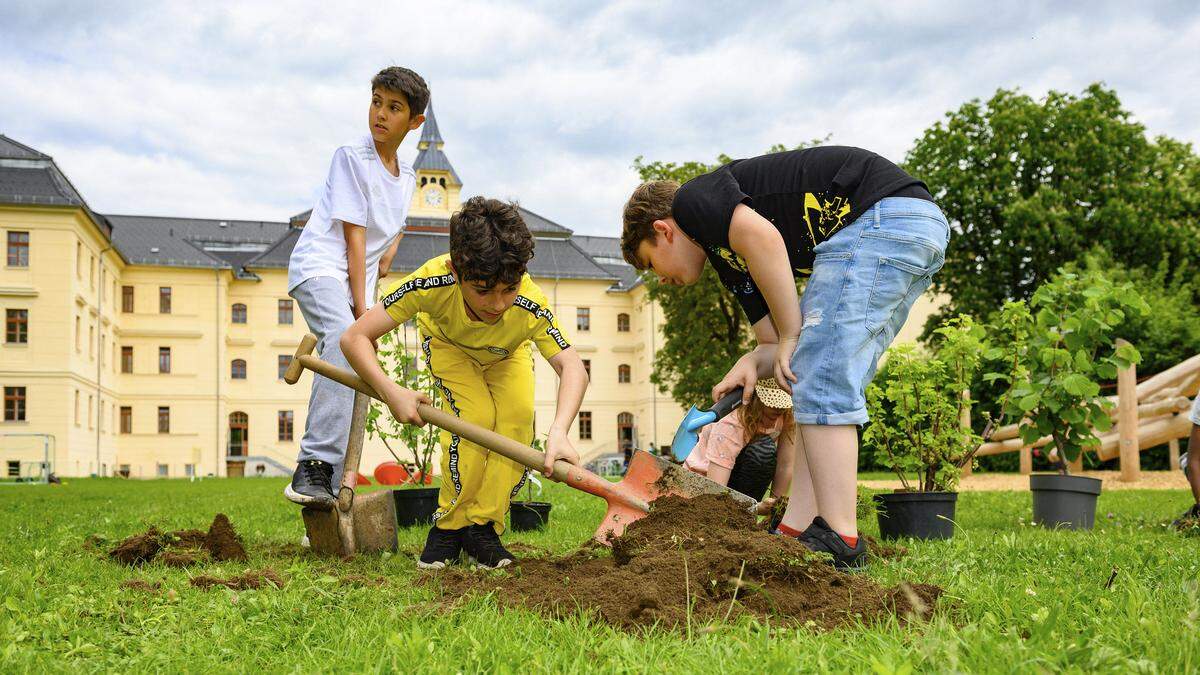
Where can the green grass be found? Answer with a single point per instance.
(1021, 597)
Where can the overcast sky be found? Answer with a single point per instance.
(199, 109)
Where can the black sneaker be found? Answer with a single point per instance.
(442, 547)
(310, 484)
(483, 545)
(821, 538)
(1189, 519)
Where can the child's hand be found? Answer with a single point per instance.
(403, 404)
(558, 446)
(783, 362)
(743, 374)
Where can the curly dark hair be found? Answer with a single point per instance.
(406, 82)
(489, 242)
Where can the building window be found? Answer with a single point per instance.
(164, 419)
(585, 426)
(126, 419)
(126, 359)
(623, 374)
(78, 334)
(285, 360)
(91, 412)
(92, 270)
(14, 468)
(92, 341)
(164, 299)
(127, 299)
(237, 369)
(76, 407)
(189, 470)
(239, 313)
(583, 319)
(622, 323)
(16, 326)
(587, 367)
(286, 418)
(18, 249)
(14, 404)
(164, 359)
(161, 470)
(285, 312)
(79, 259)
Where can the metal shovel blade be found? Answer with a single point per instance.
(368, 527)
(648, 478)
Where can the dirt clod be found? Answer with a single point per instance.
(243, 581)
(141, 585)
(181, 547)
(691, 563)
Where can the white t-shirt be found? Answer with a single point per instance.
(359, 190)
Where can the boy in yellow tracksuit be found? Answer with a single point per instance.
(477, 310)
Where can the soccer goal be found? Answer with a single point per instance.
(26, 458)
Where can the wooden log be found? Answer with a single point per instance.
(1026, 460)
(1175, 375)
(1152, 434)
(1162, 394)
(1127, 421)
(1173, 453)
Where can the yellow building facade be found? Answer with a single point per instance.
(154, 347)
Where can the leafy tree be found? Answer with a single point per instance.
(1030, 185)
(705, 330)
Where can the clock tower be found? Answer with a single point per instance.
(438, 186)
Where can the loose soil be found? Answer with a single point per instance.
(182, 547)
(689, 563)
(141, 585)
(243, 581)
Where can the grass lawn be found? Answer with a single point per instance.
(1019, 597)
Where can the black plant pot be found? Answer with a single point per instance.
(920, 515)
(415, 506)
(529, 515)
(1064, 501)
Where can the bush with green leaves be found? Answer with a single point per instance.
(403, 367)
(1052, 352)
(915, 410)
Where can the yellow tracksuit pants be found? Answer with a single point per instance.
(477, 484)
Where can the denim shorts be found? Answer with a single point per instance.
(865, 280)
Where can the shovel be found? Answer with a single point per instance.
(647, 478)
(357, 523)
(687, 435)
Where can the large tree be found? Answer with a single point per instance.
(1029, 185)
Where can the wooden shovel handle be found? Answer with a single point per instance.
(518, 452)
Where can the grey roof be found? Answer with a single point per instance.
(627, 276)
(28, 176)
(538, 224)
(429, 131)
(431, 158)
(10, 149)
(182, 242)
(278, 254)
(606, 251)
(603, 247)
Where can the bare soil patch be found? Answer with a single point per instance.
(691, 563)
(182, 547)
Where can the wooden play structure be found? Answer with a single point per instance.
(1146, 415)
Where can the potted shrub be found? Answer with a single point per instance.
(1056, 347)
(915, 410)
(415, 503)
(529, 514)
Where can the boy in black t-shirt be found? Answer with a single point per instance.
(868, 237)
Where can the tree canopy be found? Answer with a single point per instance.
(1031, 185)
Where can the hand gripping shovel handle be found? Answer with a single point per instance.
(577, 477)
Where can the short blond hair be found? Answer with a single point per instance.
(649, 202)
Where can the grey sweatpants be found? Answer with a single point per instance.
(323, 303)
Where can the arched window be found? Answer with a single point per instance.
(622, 323)
(625, 432)
(239, 313)
(239, 434)
(623, 374)
(237, 369)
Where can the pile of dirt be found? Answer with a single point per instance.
(141, 585)
(243, 581)
(690, 563)
(182, 547)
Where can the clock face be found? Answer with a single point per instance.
(433, 197)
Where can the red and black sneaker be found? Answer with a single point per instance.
(821, 538)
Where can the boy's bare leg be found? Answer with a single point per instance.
(802, 501)
(1193, 467)
(832, 457)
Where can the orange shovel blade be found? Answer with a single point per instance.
(648, 478)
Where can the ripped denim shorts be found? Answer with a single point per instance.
(865, 280)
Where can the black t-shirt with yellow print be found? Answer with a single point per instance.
(807, 194)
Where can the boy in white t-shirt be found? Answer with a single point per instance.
(347, 244)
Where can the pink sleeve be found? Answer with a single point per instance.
(724, 441)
